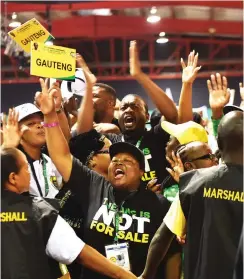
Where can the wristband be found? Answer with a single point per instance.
(50, 125)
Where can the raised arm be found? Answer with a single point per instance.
(11, 133)
(164, 104)
(63, 121)
(56, 143)
(157, 250)
(86, 113)
(219, 96)
(189, 74)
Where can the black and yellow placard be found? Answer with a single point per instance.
(28, 32)
(52, 61)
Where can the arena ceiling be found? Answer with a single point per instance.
(101, 30)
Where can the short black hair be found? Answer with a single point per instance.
(9, 164)
(137, 96)
(109, 89)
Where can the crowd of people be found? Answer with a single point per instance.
(90, 192)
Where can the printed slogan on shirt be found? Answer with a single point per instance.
(148, 174)
(103, 222)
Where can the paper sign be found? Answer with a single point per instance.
(52, 61)
(30, 31)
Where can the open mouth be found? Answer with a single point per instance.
(129, 121)
(119, 173)
(41, 134)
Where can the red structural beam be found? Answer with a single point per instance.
(125, 26)
(20, 7)
(234, 73)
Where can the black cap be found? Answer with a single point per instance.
(230, 108)
(125, 147)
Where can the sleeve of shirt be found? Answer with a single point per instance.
(63, 244)
(83, 182)
(114, 137)
(175, 219)
(215, 123)
(178, 213)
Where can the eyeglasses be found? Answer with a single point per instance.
(209, 156)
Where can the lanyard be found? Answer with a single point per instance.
(45, 175)
(118, 215)
(31, 163)
(137, 144)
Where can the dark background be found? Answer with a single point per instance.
(16, 94)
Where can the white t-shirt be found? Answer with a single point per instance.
(63, 244)
(53, 177)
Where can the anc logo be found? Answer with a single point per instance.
(113, 259)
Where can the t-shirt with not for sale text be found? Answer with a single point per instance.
(152, 144)
(143, 213)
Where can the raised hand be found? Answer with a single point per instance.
(58, 99)
(11, 132)
(45, 99)
(241, 91)
(135, 65)
(153, 186)
(219, 94)
(90, 77)
(190, 71)
(176, 165)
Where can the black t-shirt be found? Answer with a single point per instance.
(152, 144)
(143, 213)
(26, 224)
(211, 201)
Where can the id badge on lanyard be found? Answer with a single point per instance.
(118, 252)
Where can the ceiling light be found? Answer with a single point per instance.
(153, 18)
(162, 40)
(14, 15)
(102, 12)
(153, 10)
(161, 34)
(14, 24)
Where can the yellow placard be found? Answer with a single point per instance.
(28, 32)
(52, 61)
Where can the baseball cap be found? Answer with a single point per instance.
(125, 147)
(186, 132)
(230, 108)
(26, 110)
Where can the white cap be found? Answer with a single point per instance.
(26, 110)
